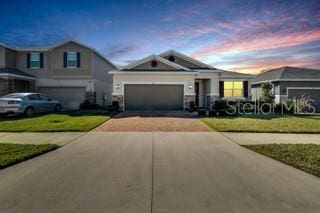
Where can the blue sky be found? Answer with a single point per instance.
(244, 36)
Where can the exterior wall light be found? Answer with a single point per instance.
(117, 86)
(190, 86)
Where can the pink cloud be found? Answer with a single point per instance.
(259, 41)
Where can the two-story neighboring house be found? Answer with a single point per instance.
(70, 72)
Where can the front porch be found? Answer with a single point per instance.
(12, 80)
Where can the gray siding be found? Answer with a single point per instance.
(2, 57)
(44, 72)
(183, 62)
(285, 84)
(11, 58)
(147, 66)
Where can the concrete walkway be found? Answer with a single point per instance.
(59, 138)
(156, 172)
(270, 138)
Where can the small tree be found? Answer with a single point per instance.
(266, 94)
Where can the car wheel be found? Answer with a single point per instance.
(29, 112)
(57, 108)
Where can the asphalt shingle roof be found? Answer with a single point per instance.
(13, 71)
(288, 73)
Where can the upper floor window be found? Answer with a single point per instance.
(35, 60)
(72, 60)
(233, 89)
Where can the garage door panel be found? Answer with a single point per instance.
(313, 94)
(69, 97)
(153, 97)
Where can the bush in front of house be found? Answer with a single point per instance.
(87, 105)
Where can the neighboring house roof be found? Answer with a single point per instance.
(175, 67)
(235, 75)
(288, 74)
(49, 48)
(11, 72)
(187, 58)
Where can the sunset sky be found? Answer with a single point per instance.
(244, 36)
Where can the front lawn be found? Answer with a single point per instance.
(83, 120)
(302, 156)
(276, 124)
(14, 153)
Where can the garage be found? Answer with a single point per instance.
(312, 93)
(153, 97)
(69, 97)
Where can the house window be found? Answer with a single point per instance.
(35, 60)
(71, 59)
(233, 89)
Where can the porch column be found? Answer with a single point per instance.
(214, 90)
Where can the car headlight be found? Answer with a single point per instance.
(14, 102)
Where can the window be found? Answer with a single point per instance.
(34, 97)
(35, 60)
(44, 98)
(233, 89)
(154, 63)
(71, 59)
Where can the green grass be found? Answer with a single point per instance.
(83, 120)
(301, 156)
(276, 124)
(14, 153)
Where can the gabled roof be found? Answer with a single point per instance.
(9, 47)
(235, 75)
(11, 72)
(50, 48)
(187, 58)
(157, 58)
(84, 45)
(288, 74)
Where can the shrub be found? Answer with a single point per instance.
(267, 95)
(87, 105)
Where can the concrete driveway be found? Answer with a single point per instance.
(156, 172)
(159, 121)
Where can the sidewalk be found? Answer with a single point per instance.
(59, 138)
(269, 138)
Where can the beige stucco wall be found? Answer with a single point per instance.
(153, 78)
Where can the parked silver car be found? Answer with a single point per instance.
(27, 103)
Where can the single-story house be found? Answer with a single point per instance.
(290, 83)
(174, 81)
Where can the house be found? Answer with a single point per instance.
(69, 72)
(173, 81)
(290, 83)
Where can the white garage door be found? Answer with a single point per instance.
(69, 97)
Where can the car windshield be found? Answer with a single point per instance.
(12, 96)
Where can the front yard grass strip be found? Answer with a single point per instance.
(71, 121)
(14, 153)
(301, 156)
(267, 124)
